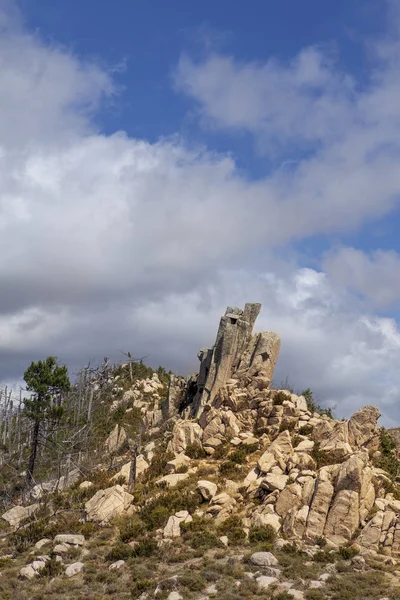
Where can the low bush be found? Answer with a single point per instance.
(130, 528)
(233, 529)
(347, 553)
(145, 548)
(265, 533)
(195, 451)
(119, 552)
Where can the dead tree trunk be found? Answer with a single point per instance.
(132, 471)
(32, 456)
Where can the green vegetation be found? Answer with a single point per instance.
(47, 381)
(314, 406)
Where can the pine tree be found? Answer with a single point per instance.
(47, 381)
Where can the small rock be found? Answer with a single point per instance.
(224, 540)
(116, 565)
(42, 543)
(324, 577)
(61, 548)
(27, 572)
(67, 538)
(173, 479)
(207, 489)
(212, 589)
(74, 569)
(316, 585)
(296, 594)
(175, 596)
(265, 582)
(85, 484)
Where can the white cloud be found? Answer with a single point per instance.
(304, 100)
(111, 243)
(377, 276)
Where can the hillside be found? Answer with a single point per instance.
(214, 486)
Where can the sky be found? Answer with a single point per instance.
(160, 161)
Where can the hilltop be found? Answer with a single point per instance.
(211, 486)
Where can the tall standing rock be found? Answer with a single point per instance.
(236, 353)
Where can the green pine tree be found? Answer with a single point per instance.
(47, 381)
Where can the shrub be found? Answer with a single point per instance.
(314, 406)
(280, 398)
(52, 568)
(32, 533)
(199, 533)
(194, 581)
(195, 451)
(239, 455)
(265, 533)
(320, 541)
(233, 528)
(221, 451)
(119, 552)
(347, 553)
(388, 460)
(145, 548)
(323, 557)
(305, 430)
(130, 528)
(230, 469)
(323, 458)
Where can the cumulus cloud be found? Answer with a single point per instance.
(111, 243)
(375, 276)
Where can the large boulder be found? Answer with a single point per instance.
(17, 515)
(263, 559)
(362, 428)
(207, 489)
(107, 504)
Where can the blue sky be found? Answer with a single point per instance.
(161, 160)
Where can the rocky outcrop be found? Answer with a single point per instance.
(185, 433)
(116, 439)
(235, 354)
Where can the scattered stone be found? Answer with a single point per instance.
(173, 479)
(175, 596)
(116, 565)
(74, 569)
(67, 538)
(85, 485)
(264, 582)
(263, 559)
(178, 462)
(172, 528)
(42, 543)
(207, 489)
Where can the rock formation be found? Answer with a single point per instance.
(237, 450)
(236, 354)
